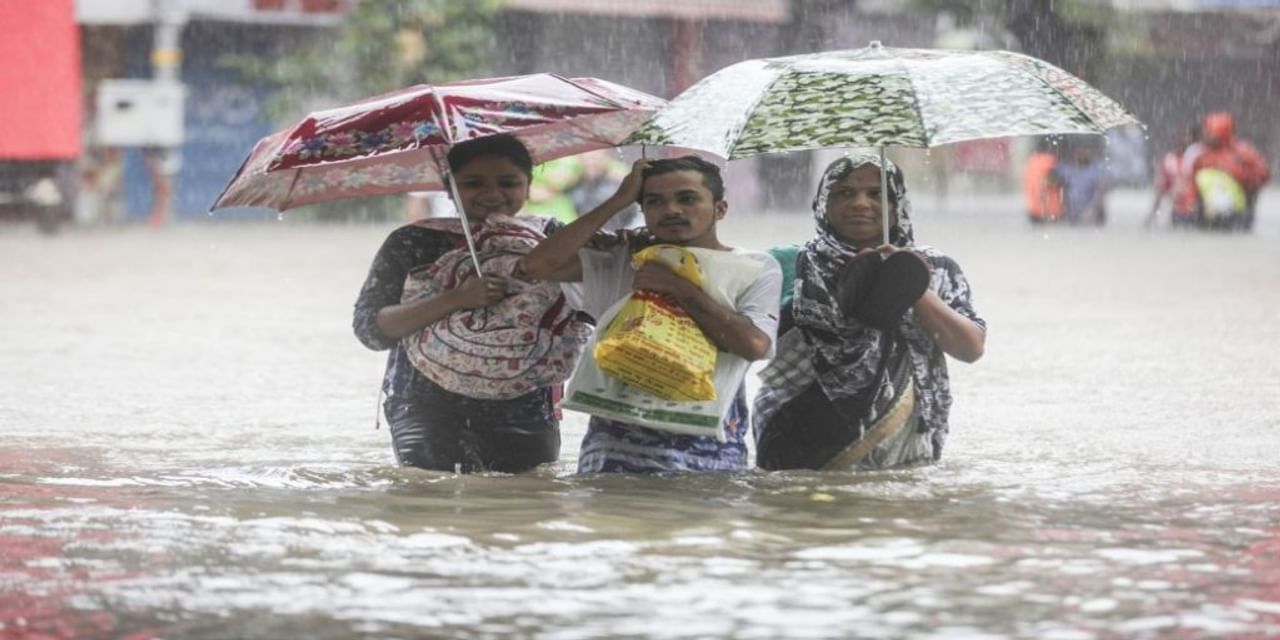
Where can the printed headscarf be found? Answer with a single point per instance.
(900, 232)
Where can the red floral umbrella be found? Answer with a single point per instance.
(397, 142)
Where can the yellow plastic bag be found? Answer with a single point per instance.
(653, 344)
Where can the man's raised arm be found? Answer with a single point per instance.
(556, 257)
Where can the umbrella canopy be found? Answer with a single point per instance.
(876, 97)
(396, 143)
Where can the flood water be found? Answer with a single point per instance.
(188, 450)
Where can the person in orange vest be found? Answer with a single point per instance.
(1043, 196)
(1223, 151)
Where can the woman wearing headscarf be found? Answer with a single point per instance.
(860, 377)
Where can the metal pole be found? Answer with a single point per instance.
(166, 46)
(166, 67)
(466, 224)
(884, 194)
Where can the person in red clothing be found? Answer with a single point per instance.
(1173, 181)
(1221, 150)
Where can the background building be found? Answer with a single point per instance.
(1167, 61)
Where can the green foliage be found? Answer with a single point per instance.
(383, 45)
(395, 43)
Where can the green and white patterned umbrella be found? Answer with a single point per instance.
(876, 97)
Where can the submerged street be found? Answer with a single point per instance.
(188, 449)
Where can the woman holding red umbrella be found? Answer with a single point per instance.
(473, 360)
(440, 420)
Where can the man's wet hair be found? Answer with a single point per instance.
(711, 178)
(501, 145)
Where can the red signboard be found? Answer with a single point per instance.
(40, 102)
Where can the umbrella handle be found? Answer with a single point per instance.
(884, 194)
(466, 224)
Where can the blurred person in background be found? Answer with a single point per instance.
(1084, 183)
(1173, 182)
(1223, 155)
(162, 165)
(419, 205)
(599, 176)
(569, 187)
(547, 197)
(1043, 196)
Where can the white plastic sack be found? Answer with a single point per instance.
(591, 391)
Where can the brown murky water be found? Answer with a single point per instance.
(187, 450)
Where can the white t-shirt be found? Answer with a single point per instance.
(607, 277)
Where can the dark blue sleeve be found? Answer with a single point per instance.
(406, 249)
(382, 287)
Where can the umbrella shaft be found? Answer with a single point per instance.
(466, 224)
(884, 195)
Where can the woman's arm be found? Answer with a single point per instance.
(399, 320)
(379, 319)
(556, 257)
(958, 336)
(383, 287)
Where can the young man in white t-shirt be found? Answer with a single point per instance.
(682, 200)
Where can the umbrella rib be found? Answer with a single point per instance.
(444, 120)
(580, 126)
(297, 173)
(227, 188)
(612, 102)
(915, 102)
